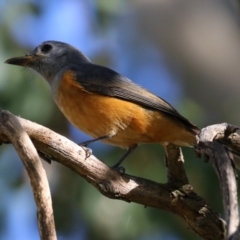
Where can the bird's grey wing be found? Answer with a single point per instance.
(107, 82)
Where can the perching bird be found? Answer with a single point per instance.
(105, 104)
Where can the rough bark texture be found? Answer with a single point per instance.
(176, 196)
(12, 129)
(210, 144)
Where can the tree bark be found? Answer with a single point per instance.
(176, 196)
(211, 144)
(12, 129)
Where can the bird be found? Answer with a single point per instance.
(105, 104)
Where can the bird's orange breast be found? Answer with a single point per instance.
(125, 122)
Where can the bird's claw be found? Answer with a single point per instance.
(120, 169)
(88, 152)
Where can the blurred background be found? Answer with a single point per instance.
(187, 52)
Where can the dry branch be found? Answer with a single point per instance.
(221, 158)
(176, 196)
(10, 126)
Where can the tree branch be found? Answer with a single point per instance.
(222, 162)
(174, 197)
(175, 164)
(10, 126)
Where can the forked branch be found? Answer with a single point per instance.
(175, 196)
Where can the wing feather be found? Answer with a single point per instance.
(102, 80)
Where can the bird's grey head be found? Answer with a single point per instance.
(50, 57)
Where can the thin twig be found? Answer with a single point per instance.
(175, 165)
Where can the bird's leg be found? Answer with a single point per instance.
(117, 165)
(88, 151)
(45, 157)
(86, 143)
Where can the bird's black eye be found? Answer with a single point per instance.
(46, 48)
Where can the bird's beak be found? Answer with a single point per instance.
(21, 61)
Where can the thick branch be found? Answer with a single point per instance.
(10, 126)
(222, 163)
(181, 200)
